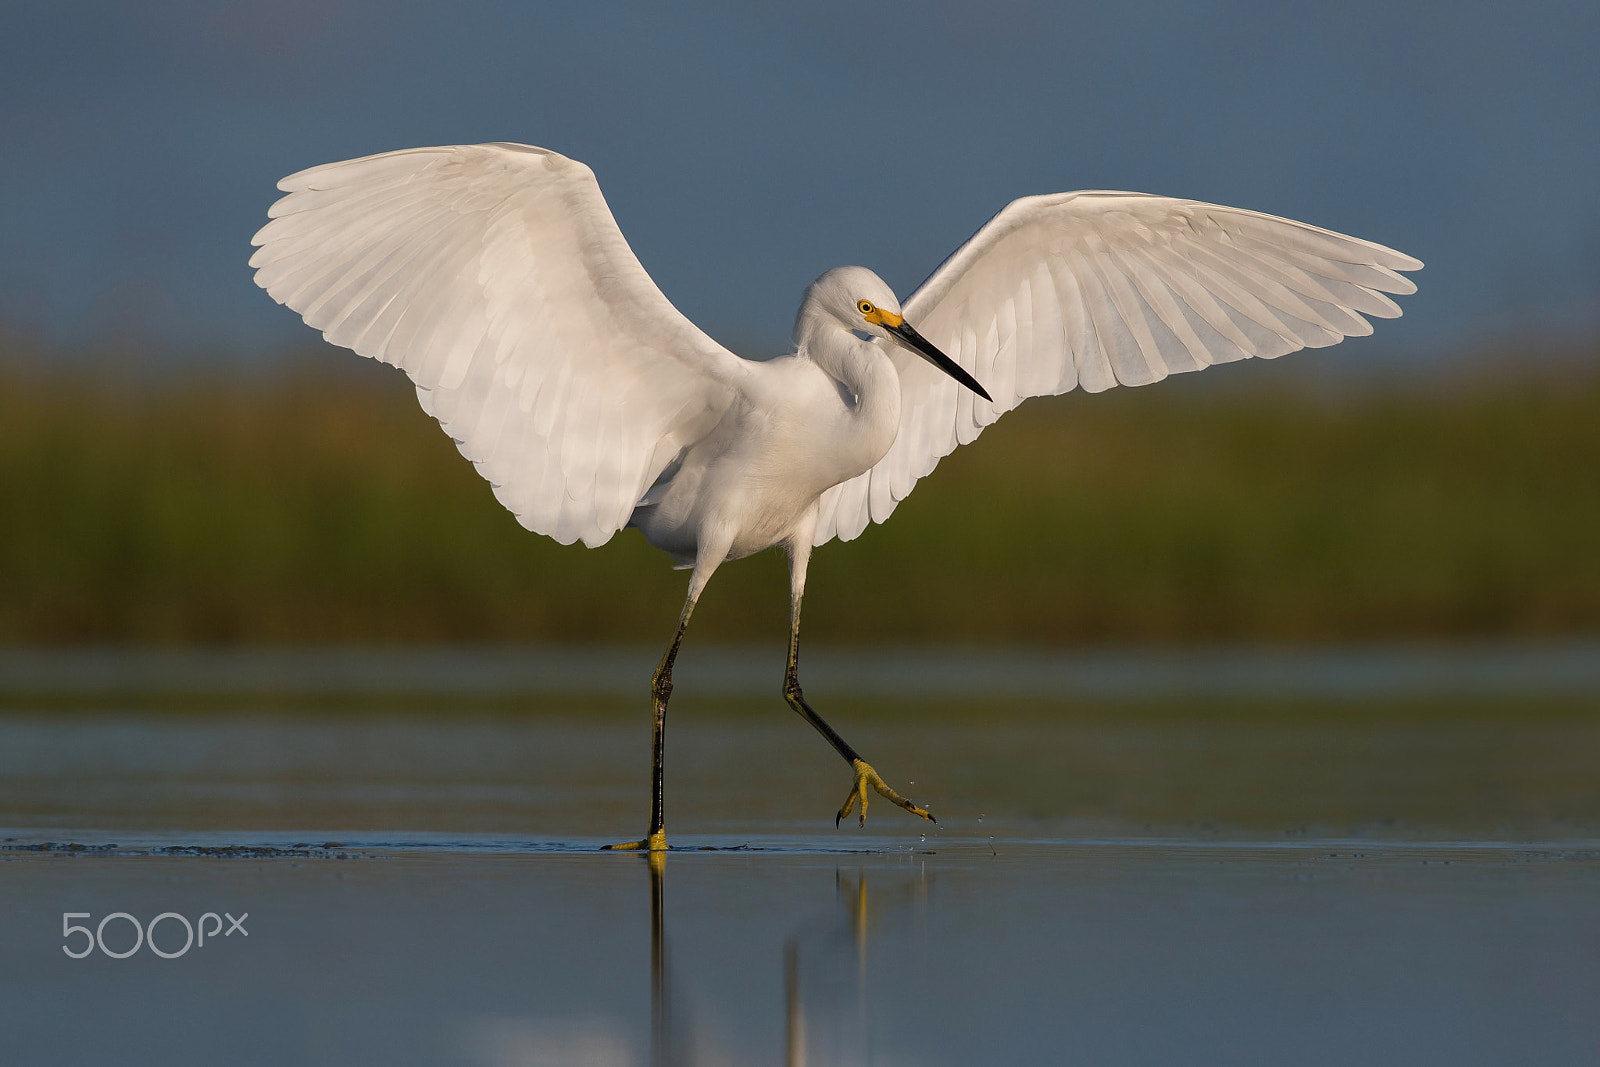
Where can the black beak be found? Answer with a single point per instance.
(920, 345)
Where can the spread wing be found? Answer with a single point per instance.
(1095, 289)
(496, 277)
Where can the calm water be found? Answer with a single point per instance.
(1372, 878)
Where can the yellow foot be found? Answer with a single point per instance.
(866, 776)
(656, 842)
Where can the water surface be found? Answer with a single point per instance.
(1370, 878)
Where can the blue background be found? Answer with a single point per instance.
(746, 148)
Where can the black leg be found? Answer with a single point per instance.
(865, 776)
(660, 693)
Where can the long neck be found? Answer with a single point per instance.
(870, 382)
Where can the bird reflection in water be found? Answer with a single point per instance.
(817, 958)
(666, 1048)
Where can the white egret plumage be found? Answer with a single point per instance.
(496, 277)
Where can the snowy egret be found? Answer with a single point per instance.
(496, 277)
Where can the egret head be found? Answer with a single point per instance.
(863, 303)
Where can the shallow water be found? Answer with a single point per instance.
(1327, 884)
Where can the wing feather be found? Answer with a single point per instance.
(496, 277)
(1094, 289)
(1159, 298)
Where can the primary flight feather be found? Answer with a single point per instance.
(496, 278)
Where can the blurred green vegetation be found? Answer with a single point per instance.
(311, 501)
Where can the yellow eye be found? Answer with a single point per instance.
(865, 307)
